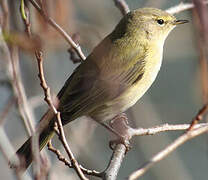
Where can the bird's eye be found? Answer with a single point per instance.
(160, 21)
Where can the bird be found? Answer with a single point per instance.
(114, 76)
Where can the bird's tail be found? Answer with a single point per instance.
(25, 151)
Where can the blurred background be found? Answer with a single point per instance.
(175, 97)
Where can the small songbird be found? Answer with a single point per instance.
(115, 75)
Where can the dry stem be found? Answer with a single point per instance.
(48, 99)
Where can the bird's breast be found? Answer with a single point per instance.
(131, 95)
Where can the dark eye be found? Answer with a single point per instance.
(160, 21)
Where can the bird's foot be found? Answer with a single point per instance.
(124, 141)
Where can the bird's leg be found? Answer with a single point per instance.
(120, 124)
(110, 129)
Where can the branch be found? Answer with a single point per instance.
(37, 166)
(48, 99)
(19, 91)
(59, 29)
(68, 163)
(47, 93)
(163, 128)
(198, 117)
(170, 148)
(114, 165)
(182, 7)
(6, 148)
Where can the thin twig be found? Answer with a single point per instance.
(37, 166)
(193, 132)
(48, 99)
(162, 128)
(59, 29)
(198, 117)
(73, 55)
(9, 57)
(181, 7)
(170, 148)
(19, 90)
(62, 138)
(68, 163)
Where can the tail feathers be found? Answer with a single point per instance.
(25, 151)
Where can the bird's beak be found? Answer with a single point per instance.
(180, 22)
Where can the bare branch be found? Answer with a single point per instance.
(114, 165)
(18, 87)
(75, 46)
(170, 148)
(198, 117)
(163, 128)
(181, 7)
(48, 99)
(68, 163)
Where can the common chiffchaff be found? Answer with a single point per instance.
(120, 69)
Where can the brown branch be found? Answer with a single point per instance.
(59, 29)
(38, 171)
(198, 117)
(48, 99)
(62, 138)
(68, 163)
(200, 16)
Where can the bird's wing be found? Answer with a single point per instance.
(103, 76)
(87, 89)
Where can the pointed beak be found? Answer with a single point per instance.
(180, 22)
